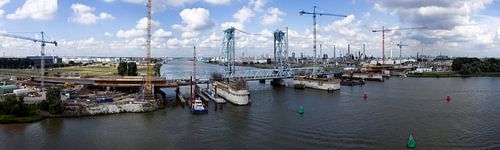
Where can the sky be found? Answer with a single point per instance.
(117, 27)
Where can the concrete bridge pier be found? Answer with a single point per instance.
(277, 82)
(262, 81)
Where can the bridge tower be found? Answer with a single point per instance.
(229, 45)
(280, 51)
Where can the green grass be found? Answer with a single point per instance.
(452, 74)
(15, 119)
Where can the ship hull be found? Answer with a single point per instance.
(318, 84)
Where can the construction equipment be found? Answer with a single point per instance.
(383, 30)
(42, 51)
(314, 13)
(400, 45)
(149, 95)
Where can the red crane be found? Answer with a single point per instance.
(383, 30)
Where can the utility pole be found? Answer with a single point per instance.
(314, 13)
(334, 56)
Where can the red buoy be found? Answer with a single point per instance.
(365, 96)
(448, 98)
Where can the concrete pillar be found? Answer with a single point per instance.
(262, 81)
(278, 82)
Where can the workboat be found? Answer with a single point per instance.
(198, 108)
(235, 94)
(327, 84)
(211, 94)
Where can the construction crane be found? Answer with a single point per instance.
(383, 30)
(149, 70)
(400, 45)
(314, 14)
(42, 51)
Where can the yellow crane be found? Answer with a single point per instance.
(149, 70)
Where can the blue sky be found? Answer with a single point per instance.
(113, 27)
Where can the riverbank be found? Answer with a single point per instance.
(4, 119)
(452, 75)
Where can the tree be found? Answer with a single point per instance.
(13, 105)
(54, 103)
(131, 69)
(122, 68)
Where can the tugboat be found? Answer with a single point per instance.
(198, 108)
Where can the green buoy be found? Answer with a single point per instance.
(411, 142)
(301, 110)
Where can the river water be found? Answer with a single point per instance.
(338, 120)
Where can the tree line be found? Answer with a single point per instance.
(14, 105)
(127, 68)
(467, 66)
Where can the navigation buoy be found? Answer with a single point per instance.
(365, 96)
(411, 142)
(301, 110)
(448, 98)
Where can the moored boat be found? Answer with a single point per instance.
(327, 84)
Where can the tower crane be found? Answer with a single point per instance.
(400, 45)
(314, 14)
(42, 51)
(149, 95)
(383, 30)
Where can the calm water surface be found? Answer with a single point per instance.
(338, 120)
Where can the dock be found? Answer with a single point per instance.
(180, 97)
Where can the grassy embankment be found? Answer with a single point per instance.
(15, 119)
(95, 70)
(453, 74)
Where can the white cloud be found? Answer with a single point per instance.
(190, 34)
(140, 30)
(130, 33)
(160, 33)
(272, 17)
(35, 9)
(218, 2)
(82, 14)
(244, 14)
(236, 25)
(257, 4)
(2, 3)
(195, 19)
(108, 34)
(143, 23)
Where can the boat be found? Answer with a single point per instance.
(238, 95)
(210, 93)
(366, 76)
(198, 108)
(352, 82)
(327, 84)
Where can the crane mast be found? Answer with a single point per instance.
(383, 30)
(42, 52)
(314, 13)
(149, 89)
(401, 45)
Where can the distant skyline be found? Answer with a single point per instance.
(117, 27)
